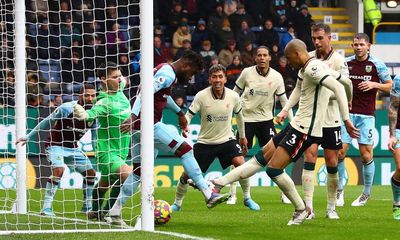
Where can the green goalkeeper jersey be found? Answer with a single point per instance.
(111, 110)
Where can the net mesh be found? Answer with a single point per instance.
(67, 41)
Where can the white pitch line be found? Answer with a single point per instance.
(382, 199)
(70, 219)
(181, 235)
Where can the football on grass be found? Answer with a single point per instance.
(162, 212)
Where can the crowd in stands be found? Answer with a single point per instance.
(228, 32)
(67, 39)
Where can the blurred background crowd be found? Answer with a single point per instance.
(67, 39)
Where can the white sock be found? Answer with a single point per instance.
(245, 184)
(332, 185)
(308, 187)
(180, 193)
(244, 171)
(287, 186)
(232, 189)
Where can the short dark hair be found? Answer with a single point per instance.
(321, 26)
(194, 59)
(264, 47)
(216, 68)
(362, 36)
(105, 69)
(86, 86)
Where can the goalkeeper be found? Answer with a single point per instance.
(111, 109)
(62, 147)
(165, 77)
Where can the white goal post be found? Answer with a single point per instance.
(50, 50)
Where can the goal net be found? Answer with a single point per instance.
(65, 45)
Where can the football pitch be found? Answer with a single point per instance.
(374, 221)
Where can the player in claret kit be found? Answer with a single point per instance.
(368, 75)
(165, 138)
(62, 147)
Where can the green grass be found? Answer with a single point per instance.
(373, 221)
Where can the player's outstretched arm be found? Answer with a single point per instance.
(45, 124)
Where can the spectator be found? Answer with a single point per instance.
(258, 9)
(288, 73)
(116, 37)
(245, 35)
(55, 100)
(162, 54)
(182, 33)
(292, 11)
(123, 63)
(159, 32)
(225, 56)
(268, 37)
(278, 9)
(186, 45)
(238, 17)
(175, 17)
(48, 42)
(274, 57)
(230, 7)
(207, 52)
(33, 86)
(72, 73)
(69, 32)
(302, 25)
(285, 70)
(233, 71)
(216, 19)
(287, 37)
(191, 8)
(7, 88)
(181, 102)
(223, 35)
(65, 11)
(247, 55)
(200, 34)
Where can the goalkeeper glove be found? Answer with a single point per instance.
(80, 113)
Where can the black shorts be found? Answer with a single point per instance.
(294, 142)
(264, 131)
(225, 152)
(331, 138)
